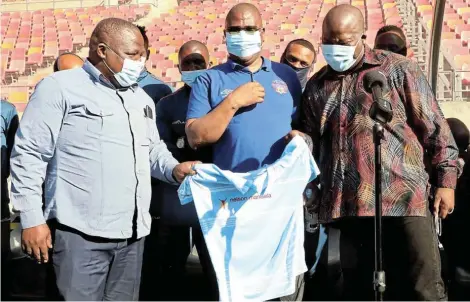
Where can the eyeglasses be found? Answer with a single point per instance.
(247, 29)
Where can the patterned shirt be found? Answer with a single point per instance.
(335, 113)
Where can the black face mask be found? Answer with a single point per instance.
(402, 52)
(302, 73)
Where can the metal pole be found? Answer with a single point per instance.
(379, 274)
(435, 44)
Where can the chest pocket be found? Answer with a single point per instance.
(96, 118)
(147, 130)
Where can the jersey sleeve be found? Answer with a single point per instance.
(199, 100)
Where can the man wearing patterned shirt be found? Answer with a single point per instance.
(335, 113)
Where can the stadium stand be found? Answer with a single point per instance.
(31, 40)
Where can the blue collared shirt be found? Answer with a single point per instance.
(255, 135)
(9, 124)
(96, 150)
(155, 88)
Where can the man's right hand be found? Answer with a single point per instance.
(247, 94)
(36, 242)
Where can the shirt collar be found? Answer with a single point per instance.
(370, 56)
(266, 66)
(96, 74)
(143, 74)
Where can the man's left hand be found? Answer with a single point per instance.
(444, 201)
(184, 169)
(306, 138)
(292, 134)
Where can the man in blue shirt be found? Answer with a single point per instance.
(169, 244)
(244, 107)
(90, 134)
(154, 87)
(9, 123)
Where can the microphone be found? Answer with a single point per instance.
(375, 82)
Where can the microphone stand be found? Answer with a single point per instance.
(379, 274)
(381, 112)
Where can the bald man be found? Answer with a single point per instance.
(168, 246)
(91, 134)
(335, 113)
(391, 38)
(67, 61)
(300, 55)
(243, 108)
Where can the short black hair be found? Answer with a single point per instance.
(56, 64)
(303, 43)
(143, 31)
(392, 28)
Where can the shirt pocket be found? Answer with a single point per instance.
(96, 118)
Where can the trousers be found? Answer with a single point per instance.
(95, 269)
(166, 265)
(411, 261)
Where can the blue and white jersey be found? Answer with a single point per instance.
(253, 223)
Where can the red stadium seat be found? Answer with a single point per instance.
(460, 60)
(65, 44)
(165, 64)
(173, 74)
(51, 51)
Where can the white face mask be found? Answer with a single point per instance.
(243, 44)
(130, 71)
(339, 57)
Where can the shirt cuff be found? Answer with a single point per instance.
(169, 175)
(32, 218)
(447, 178)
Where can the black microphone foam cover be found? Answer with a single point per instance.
(375, 77)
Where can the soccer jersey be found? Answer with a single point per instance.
(253, 223)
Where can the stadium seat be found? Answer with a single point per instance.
(465, 37)
(173, 74)
(165, 64)
(173, 57)
(18, 97)
(453, 23)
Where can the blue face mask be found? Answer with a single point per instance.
(188, 77)
(339, 57)
(243, 44)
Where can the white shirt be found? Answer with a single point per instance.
(253, 223)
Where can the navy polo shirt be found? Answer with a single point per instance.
(155, 88)
(255, 135)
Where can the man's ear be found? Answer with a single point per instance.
(101, 50)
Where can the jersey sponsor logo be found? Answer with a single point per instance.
(223, 202)
(280, 86)
(244, 198)
(226, 92)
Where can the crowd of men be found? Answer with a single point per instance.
(81, 175)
